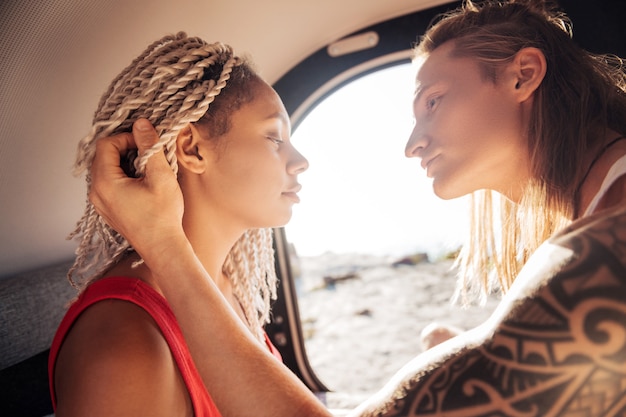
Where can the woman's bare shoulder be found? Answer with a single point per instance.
(115, 360)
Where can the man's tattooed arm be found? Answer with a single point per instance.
(555, 347)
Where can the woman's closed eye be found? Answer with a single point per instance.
(276, 139)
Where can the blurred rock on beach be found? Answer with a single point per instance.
(362, 316)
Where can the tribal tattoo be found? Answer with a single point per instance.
(558, 350)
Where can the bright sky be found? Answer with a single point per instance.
(360, 193)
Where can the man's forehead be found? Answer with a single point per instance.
(433, 65)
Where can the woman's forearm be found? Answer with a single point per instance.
(243, 378)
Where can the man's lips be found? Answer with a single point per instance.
(427, 161)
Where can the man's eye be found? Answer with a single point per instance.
(432, 102)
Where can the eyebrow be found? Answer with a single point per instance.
(279, 115)
(419, 90)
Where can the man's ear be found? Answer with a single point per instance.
(190, 149)
(529, 69)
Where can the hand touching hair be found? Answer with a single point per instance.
(174, 82)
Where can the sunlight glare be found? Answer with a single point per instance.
(360, 193)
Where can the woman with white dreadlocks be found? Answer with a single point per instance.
(226, 136)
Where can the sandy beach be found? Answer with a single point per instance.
(362, 317)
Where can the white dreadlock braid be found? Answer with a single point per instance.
(253, 278)
(167, 84)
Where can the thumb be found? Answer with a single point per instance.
(146, 137)
(144, 134)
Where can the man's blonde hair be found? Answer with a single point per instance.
(581, 96)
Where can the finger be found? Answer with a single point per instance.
(105, 168)
(107, 158)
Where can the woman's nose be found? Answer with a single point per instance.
(298, 163)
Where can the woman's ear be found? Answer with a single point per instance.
(190, 149)
(529, 68)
